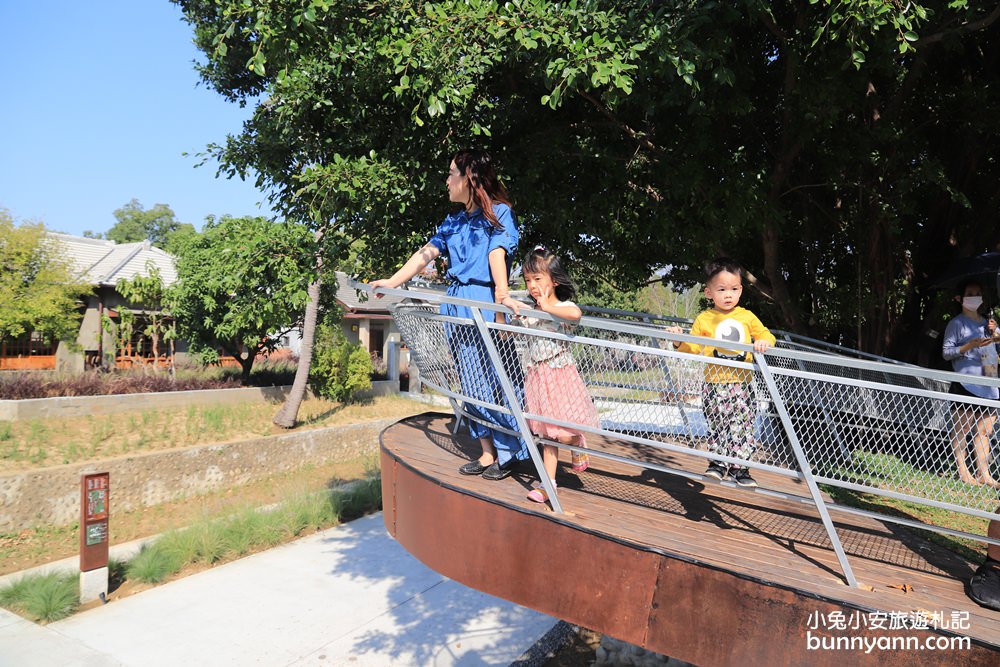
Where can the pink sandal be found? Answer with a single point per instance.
(580, 462)
(538, 495)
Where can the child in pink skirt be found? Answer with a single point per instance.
(552, 385)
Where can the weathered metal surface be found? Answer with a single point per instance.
(708, 616)
(662, 601)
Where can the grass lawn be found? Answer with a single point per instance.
(35, 443)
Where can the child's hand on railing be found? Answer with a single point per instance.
(674, 329)
(761, 346)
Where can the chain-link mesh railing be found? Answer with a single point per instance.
(854, 424)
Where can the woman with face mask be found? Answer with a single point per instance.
(969, 346)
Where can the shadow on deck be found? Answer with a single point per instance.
(706, 573)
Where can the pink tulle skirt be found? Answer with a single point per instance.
(558, 393)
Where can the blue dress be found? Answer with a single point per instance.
(467, 239)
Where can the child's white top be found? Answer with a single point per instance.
(554, 353)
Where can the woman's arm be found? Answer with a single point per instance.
(498, 271)
(950, 347)
(949, 344)
(417, 261)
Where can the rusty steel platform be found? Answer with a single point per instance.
(703, 572)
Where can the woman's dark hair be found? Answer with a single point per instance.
(542, 260)
(720, 264)
(961, 287)
(477, 167)
(964, 285)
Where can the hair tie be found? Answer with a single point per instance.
(539, 247)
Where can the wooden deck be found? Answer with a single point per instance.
(704, 572)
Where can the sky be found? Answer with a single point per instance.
(99, 103)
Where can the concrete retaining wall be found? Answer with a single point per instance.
(51, 496)
(78, 406)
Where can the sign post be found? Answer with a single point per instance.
(95, 509)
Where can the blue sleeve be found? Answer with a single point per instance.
(439, 238)
(507, 237)
(951, 342)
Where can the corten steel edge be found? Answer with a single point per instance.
(465, 546)
(486, 537)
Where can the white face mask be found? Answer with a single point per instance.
(972, 302)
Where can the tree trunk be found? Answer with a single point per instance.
(247, 366)
(789, 149)
(290, 408)
(779, 288)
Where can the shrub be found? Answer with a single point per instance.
(17, 386)
(246, 529)
(46, 384)
(359, 498)
(339, 369)
(209, 538)
(307, 511)
(44, 597)
(153, 564)
(274, 372)
(380, 368)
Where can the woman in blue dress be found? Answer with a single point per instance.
(480, 239)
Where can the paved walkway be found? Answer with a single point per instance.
(346, 596)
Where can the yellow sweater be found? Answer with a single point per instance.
(738, 326)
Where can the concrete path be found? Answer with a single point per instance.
(347, 596)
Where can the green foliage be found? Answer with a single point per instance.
(247, 529)
(157, 225)
(841, 150)
(210, 542)
(671, 300)
(242, 284)
(149, 295)
(43, 597)
(597, 290)
(359, 499)
(153, 564)
(38, 289)
(216, 539)
(339, 369)
(302, 512)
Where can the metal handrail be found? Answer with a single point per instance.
(789, 337)
(851, 423)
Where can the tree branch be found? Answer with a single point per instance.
(637, 136)
(971, 26)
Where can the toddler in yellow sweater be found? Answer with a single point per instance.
(727, 398)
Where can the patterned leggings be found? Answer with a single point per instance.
(730, 412)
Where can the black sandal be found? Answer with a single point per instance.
(472, 468)
(984, 587)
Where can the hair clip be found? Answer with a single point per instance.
(539, 247)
